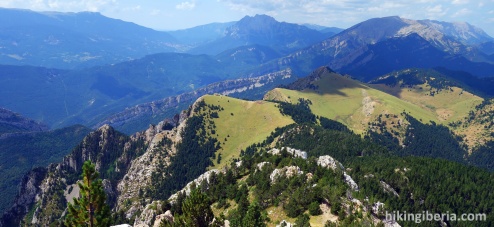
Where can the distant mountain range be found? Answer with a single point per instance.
(87, 96)
(11, 122)
(263, 30)
(79, 40)
(457, 45)
(74, 40)
(251, 47)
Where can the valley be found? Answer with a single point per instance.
(247, 122)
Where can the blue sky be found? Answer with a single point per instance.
(178, 14)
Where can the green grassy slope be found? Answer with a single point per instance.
(363, 107)
(349, 102)
(243, 123)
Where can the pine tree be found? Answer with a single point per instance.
(196, 211)
(253, 217)
(90, 208)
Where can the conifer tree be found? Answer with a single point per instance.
(196, 212)
(90, 208)
(253, 217)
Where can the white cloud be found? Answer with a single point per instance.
(186, 6)
(60, 5)
(462, 12)
(460, 2)
(435, 9)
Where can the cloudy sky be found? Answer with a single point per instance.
(178, 14)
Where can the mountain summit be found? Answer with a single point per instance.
(263, 30)
(459, 45)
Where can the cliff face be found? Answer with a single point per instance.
(29, 189)
(125, 164)
(42, 196)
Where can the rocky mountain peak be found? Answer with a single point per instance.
(257, 19)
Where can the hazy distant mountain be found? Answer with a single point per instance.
(453, 38)
(11, 122)
(487, 47)
(248, 55)
(65, 97)
(409, 51)
(71, 40)
(263, 30)
(201, 34)
(324, 29)
(451, 41)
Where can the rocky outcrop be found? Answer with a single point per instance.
(228, 87)
(149, 215)
(203, 177)
(330, 162)
(388, 188)
(48, 187)
(287, 171)
(167, 216)
(138, 177)
(28, 190)
(295, 152)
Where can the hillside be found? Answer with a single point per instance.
(138, 118)
(11, 122)
(242, 123)
(348, 101)
(380, 107)
(308, 172)
(75, 40)
(88, 96)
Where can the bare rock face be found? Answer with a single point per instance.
(149, 214)
(139, 174)
(292, 151)
(167, 216)
(40, 186)
(388, 188)
(203, 177)
(29, 189)
(331, 163)
(287, 171)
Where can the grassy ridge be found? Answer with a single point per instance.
(349, 102)
(243, 123)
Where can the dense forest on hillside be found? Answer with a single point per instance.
(421, 183)
(426, 184)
